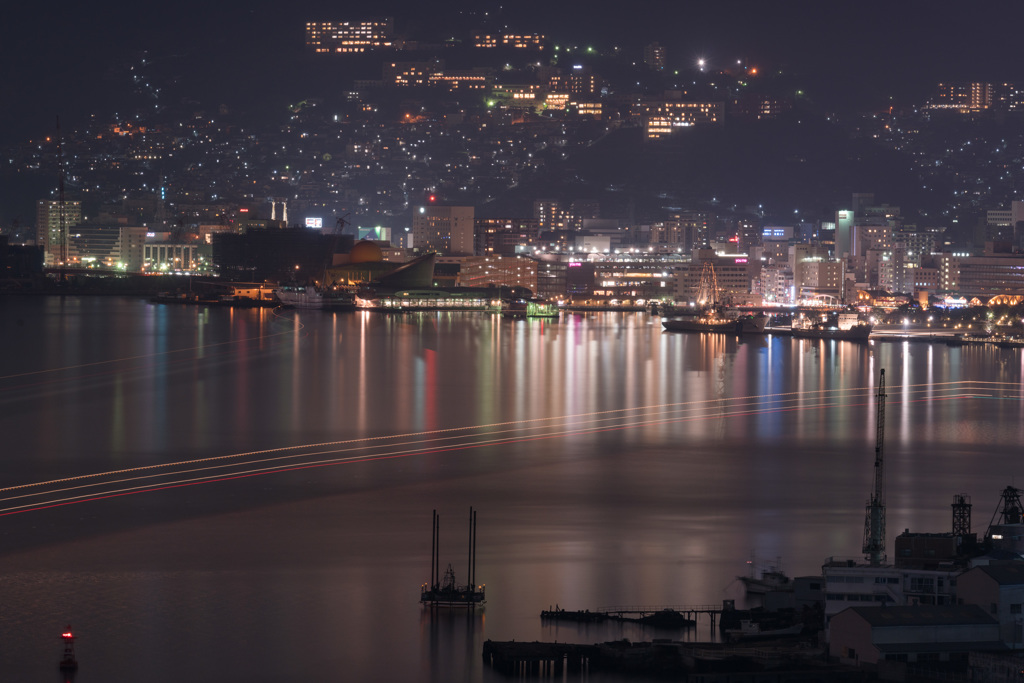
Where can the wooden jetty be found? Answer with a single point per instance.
(672, 616)
(662, 616)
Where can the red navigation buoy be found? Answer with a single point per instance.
(68, 661)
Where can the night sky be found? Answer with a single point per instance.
(62, 58)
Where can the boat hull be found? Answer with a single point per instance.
(857, 333)
(754, 324)
(312, 298)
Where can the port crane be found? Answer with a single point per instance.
(874, 517)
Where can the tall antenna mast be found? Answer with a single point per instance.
(874, 517)
(62, 254)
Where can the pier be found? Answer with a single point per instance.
(660, 616)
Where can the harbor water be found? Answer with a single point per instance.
(268, 477)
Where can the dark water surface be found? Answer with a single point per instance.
(611, 464)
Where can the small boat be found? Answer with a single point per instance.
(769, 578)
(531, 308)
(667, 618)
(859, 332)
(715, 321)
(843, 326)
(752, 630)
(711, 315)
(308, 296)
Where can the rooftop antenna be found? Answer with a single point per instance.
(874, 517)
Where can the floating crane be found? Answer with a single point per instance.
(444, 591)
(874, 516)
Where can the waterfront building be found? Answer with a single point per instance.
(53, 221)
(551, 277)
(107, 246)
(446, 230)
(999, 590)
(980, 276)
(171, 257)
(349, 36)
(637, 279)
(815, 277)
(505, 271)
(913, 635)
(775, 284)
(852, 584)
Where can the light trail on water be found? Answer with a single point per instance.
(164, 476)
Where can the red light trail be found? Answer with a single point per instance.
(131, 481)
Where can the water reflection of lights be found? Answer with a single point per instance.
(117, 483)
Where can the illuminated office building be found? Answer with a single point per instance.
(664, 118)
(579, 81)
(526, 41)
(962, 97)
(349, 36)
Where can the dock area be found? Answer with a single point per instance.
(706, 662)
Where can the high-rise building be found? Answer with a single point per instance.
(551, 216)
(446, 230)
(349, 36)
(654, 56)
(843, 230)
(503, 236)
(51, 217)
